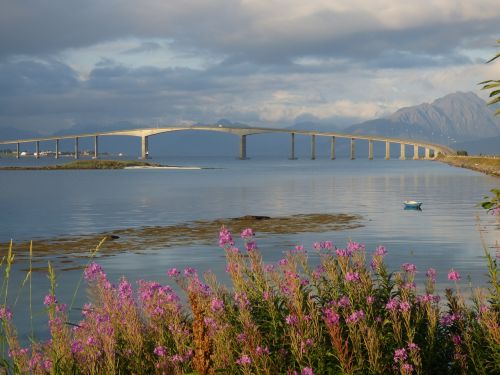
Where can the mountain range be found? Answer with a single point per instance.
(461, 120)
(458, 117)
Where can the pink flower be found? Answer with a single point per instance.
(125, 289)
(328, 245)
(173, 272)
(412, 347)
(76, 347)
(355, 246)
(392, 304)
(352, 276)
(344, 302)
(189, 271)
(370, 300)
(225, 238)
(307, 371)
(49, 300)
(292, 320)
(457, 340)
(431, 274)
(244, 360)
(242, 300)
(342, 253)
(5, 313)
(407, 368)
(261, 350)
(247, 233)
(92, 272)
(400, 355)
(409, 267)
(355, 317)
(217, 305)
(404, 306)
(331, 317)
(160, 351)
(251, 245)
(453, 275)
(380, 251)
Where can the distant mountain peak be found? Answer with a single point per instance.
(459, 116)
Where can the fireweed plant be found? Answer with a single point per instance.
(349, 315)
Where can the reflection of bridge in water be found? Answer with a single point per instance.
(431, 149)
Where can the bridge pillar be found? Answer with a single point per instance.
(402, 155)
(292, 149)
(415, 152)
(17, 150)
(96, 147)
(313, 147)
(387, 150)
(37, 149)
(370, 149)
(57, 148)
(76, 148)
(243, 147)
(332, 149)
(353, 149)
(144, 147)
(427, 153)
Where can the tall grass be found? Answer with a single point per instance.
(349, 315)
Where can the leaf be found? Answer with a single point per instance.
(487, 205)
(496, 100)
(497, 112)
(492, 85)
(493, 93)
(493, 58)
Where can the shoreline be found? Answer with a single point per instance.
(100, 164)
(483, 164)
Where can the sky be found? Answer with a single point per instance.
(71, 64)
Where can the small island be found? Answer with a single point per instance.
(100, 164)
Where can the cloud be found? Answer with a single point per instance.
(65, 62)
(260, 30)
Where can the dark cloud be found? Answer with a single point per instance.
(31, 77)
(229, 28)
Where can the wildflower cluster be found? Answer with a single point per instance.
(346, 315)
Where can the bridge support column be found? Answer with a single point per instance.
(76, 148)
(415, 152)
(387, 150)
(57, 148)
(313, 147)
(332, 148)
(370, 149)
(353, 147)
(292, 148)
(427, 153)
(144, 147)
(243, 147)
(37, 149)
(17, 150)
(96, 147)
(402, 155)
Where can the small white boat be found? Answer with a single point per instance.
(412, 204)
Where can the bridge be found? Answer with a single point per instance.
(431, 149)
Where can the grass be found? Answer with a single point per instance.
(484, 164)
(349, 315)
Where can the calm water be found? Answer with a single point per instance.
(47, 204)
